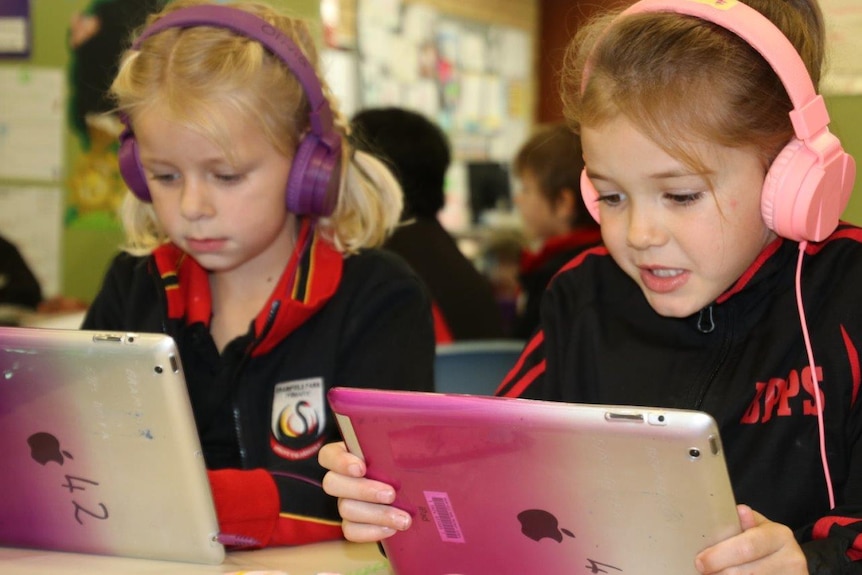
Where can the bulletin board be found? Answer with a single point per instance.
(31, 123)
(472, 77)
(15, 29)
(31, 161)
(31, 217)
(32, 151)
(844, 41)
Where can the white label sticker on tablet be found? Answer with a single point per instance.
(444, 516)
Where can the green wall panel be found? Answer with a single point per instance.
(846, 115)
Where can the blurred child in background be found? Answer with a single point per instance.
(556, 221)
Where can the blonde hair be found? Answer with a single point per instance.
(681, 80)
(198, 71)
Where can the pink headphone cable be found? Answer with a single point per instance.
(818, 401)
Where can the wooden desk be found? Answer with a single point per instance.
(334, 557)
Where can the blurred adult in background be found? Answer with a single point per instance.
(20, 290)
(97, 37)
(418, 152)
(554, 216)
(18, 283)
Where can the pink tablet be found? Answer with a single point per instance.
(499, 485)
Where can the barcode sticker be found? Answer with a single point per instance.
(444, 516)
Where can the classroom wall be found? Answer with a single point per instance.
(88, 246)
(49, 20)
(846, 115)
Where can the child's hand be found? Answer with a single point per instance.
(364, 504)
(764, 547)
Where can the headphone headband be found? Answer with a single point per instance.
(809, 182)
(250, 26)
(809, 114)
(315, 172)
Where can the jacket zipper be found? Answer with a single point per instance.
(706, 324)
(270, 320)
(705, 321)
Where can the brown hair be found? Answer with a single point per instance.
(555, 158)
(682, 79)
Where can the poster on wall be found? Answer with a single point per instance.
(31, 123)
(97, 36)
(15, 28)
(470, 77)
(30, 217)
(844, 46)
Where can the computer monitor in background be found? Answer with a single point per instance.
(490, 188)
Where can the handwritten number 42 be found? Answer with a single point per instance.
(75, 483)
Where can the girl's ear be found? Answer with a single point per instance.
(566, 204)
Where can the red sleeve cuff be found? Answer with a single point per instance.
(247, 504)
(292, 530)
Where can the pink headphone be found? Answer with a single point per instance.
(312, 186)
(809, 183)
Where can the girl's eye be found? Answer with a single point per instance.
(610, 199)
(164, 178)
(684, 199)
(228, 178)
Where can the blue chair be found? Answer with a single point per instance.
(476, 367)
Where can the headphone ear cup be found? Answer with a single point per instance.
(315, 174)
(803, 196)
(772, 201)
(130, 166)
(590, 196)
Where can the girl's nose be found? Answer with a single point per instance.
(645, 228)
(195, 202)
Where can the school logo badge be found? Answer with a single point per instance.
(298, 418)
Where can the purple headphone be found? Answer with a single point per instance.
(312, 186)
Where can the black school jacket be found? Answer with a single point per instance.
(742, 360)
(361, 321)
(462, 293)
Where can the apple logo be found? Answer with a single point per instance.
(44, 447)
(538, 524)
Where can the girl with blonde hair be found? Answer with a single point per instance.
(252, 232)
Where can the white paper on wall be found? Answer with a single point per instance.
(13, 35)
(31, 217)
(844, 46)
(32, 112)
(340, 70)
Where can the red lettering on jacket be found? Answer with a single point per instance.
(775, 398)
(808, 383)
